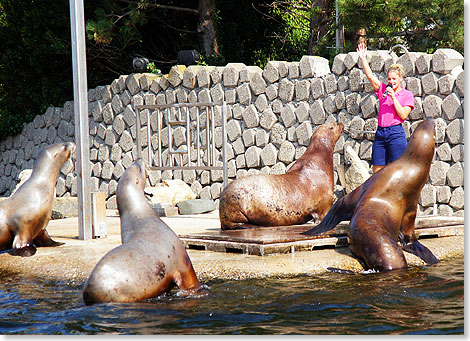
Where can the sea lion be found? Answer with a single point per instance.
(383, 209)
(304, 192)
(24, 215)
(150, 261)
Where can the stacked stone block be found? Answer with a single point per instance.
(271, 116)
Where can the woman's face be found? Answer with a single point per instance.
(394, 78)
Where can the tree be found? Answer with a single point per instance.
(35, 62)
(307, 21)
(422, 25)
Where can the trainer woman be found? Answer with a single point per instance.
(395, 104)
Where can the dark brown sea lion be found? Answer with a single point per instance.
(383, 209)
(304, 192)
(24, 215)
(150, 261)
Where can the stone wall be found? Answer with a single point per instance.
(272, 114)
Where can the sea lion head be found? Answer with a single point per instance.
(53, 157)
(327, 133)
(422, 141)
(131, 185)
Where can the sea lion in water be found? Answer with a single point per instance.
(150, 261)
(24, 215)
(383, 209)
(304, 192)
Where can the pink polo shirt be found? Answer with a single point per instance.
(387, 114)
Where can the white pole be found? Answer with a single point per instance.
(82, 168)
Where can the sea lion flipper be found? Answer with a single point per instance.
(25, 251)
(421, 251)
(338, 212)
(43, 239)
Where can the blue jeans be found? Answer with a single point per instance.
(389, 144)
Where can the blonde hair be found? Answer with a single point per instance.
(398, 68)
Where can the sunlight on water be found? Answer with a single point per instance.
(422, 300)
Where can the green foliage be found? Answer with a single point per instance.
(36, 62)
(151, 68)
(422, 25)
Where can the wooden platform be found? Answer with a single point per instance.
(288, 239)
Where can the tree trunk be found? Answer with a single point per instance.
(206, 26)
(318, 22)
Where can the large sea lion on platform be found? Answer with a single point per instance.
(150, 261)
(383, 209)
(303, 193)
(24, 215)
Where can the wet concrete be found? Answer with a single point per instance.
(73, 262)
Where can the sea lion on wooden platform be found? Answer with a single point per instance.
(150, 261)
(24, 215)
(383, 209)
(303, 193)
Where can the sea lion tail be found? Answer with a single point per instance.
(337, 213)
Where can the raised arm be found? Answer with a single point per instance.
(362, 51)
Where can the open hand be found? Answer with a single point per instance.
(362, 50)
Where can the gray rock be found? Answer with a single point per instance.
(257, 83)
(443, 194)
(446, 84)
(432, 106)
(272, 91)
(288, 115)
(452, 107)
(294, 70)
(244, 94)
(217, 93)
(455, 132)
(286, 90)
(190, 76)
(429, 82)
(428, 196)
(252, 157)
(460, 83)
(423, 63)
(196, 206)
(356, 173)
(444, 60)
(317, 113)
(438, 173)
(351, 60)
(268, 155)
(457, 153)
(338, 64)
(302, 90)
(457, 200)
(65, 207)
(204, 76)
(317, 88)
(262, 138)
(304, 133)
(261, 103)
(444, 152)
(250, 117)
(455, 176)
(271, 72)
(249, 137)
(329, 105)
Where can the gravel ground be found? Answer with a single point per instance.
(74, 261)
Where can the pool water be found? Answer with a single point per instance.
(419, 300)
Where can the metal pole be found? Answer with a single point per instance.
(82, 142)
(339, 33)
(224, 141)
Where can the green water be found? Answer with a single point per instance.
(421, 300)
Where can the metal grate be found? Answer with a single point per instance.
(198, 120)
